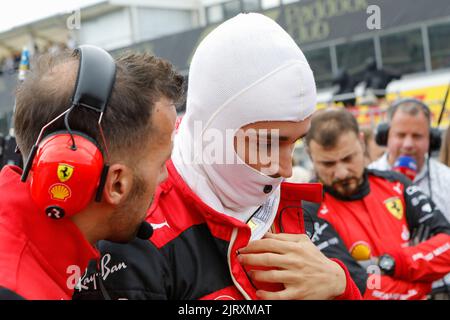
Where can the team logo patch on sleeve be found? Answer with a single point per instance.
(65, 172)
(395, 207)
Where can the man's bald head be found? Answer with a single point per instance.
(57, 72)
(51, 83)
(141, 80)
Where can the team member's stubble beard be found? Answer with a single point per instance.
(348, 186)
(124, 217)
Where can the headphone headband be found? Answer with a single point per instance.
(95, 79)
(393, 108)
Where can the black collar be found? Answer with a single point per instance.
(362, 191)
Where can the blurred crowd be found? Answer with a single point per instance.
(10, 64)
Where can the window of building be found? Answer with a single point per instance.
(232, 8)
(439, 36)
(403, 51)
(251, 5)
(353, 56)
(267, 4)
(320, 63)
(215, 13)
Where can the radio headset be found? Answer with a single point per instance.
(67, 168)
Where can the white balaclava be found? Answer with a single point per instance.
(246, 70)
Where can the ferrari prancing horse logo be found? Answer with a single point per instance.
(65, 172)
(395, 207)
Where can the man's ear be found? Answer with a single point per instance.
(118, 184)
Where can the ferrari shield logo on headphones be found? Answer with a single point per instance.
(65, 172)
(395, 207)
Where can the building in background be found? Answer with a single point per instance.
(412, 39)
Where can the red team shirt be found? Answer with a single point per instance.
(388, 215)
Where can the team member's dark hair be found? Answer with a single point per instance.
(141, 80)
(328, 125)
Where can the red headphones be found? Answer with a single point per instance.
(67, 168)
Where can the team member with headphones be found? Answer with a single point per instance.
(409, 133)
(95, 142)
(374, 221)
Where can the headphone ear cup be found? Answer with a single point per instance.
(64, 179)
(435, 139)
(381, 134)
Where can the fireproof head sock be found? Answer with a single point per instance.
(246, 70)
